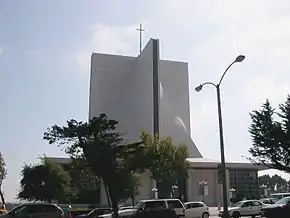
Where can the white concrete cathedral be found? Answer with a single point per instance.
(138, 91)
(146, 93)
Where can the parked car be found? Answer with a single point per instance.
(196, 209)
(280, 195)
(95, 213)
(245, 208)
(155, 213)
(280, 209)
(151, 204)
(269, 200)
(35, 210)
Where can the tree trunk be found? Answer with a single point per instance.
(2, 198)
(114, 203)
(108, 196)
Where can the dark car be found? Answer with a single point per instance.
(156, 212)
(280, 209)
(35, 210)
(95, 213)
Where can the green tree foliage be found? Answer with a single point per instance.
(274, 184)
(270, 132)
(85, 186)
(46, 181)
(3, 173)
(100, 147)
(166, 161)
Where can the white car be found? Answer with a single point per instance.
(245, 208)
(150, 204)
(196, 210)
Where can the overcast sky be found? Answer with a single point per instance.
(45, 48)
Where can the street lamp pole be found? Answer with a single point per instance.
(240, 58)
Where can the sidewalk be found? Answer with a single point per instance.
(213, 211)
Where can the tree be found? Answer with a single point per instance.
(273, 184)
(85, 186)
(46, 181)
(270, 136)
(3, 173)
(97, 144)
(166, 161)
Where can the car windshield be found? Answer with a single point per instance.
(239, 204)
(283, 201)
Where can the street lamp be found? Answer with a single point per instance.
(240, 58)
(174, 189)
(155, 193)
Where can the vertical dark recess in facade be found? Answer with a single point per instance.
(156, 87)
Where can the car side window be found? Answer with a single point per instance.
(197, 205)
(33, 209)
(174, 204)
(155, 205)
(247, 204)
(187, 206)
(256, 203)
(49, 209)
(98, 212)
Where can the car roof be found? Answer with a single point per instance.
(170, 199)
(281, 193)
(39, 203)
(267, 199)
(190, 202)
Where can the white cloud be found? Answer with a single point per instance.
(122, 40)
(1, 50)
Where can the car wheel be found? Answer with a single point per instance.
(236, 214)
(205, 215)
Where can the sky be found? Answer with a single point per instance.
(45, 49)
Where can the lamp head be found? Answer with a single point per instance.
(198, 88)
(240, 58)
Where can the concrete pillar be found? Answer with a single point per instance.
(228, 185)
(227, 179)
(189, 186)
